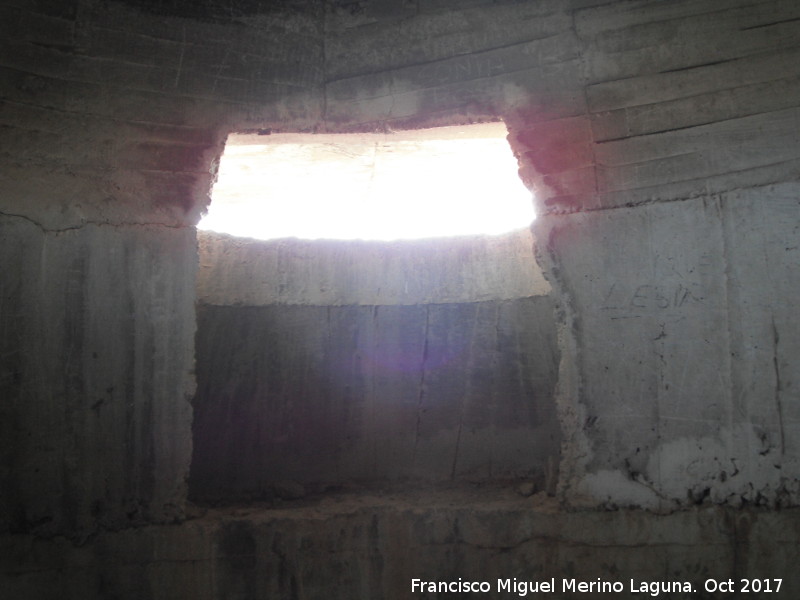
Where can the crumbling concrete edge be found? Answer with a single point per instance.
(575, 445)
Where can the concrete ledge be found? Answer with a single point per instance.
(371, 545)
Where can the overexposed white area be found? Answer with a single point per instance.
(447, 181)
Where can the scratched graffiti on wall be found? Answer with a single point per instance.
(669, 288)
(652, 297)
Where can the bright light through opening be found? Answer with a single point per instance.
(417, 184)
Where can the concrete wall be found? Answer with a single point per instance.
(661, 140)
(375, 548)
(686, 369)
(333, 363)
(242, 271)
(676, 288)
(110, 129)
(94, 391)
(660, 137)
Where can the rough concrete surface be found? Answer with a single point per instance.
(372, 546)
(333, 362)
(330, 395)
(95, 394)
(685, 371)
(661, 141)
(241, 271)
